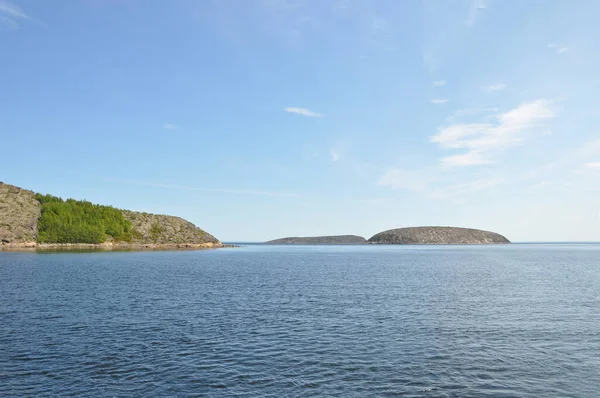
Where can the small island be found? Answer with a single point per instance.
(437, 236)
(320, 240)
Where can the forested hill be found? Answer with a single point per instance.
(28, 218)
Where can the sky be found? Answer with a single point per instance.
(261, 119)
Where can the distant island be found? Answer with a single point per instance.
(403, 236)
(320, 240)
(32, 220)
(437, 236)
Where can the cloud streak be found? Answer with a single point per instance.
(197, 189)
(439, 83)
(170, 126)
(438, 101)
(303, 111)
(411, 180)
(335, 155)
(459, 191)
(474, 10)
(559, 48)
(593, 165)
(496, 87)
(11, 15)
(430, 184)
(483, 140)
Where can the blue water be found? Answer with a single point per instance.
(410, 321)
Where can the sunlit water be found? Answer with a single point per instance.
(412, 321)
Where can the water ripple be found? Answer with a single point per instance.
(517, 321)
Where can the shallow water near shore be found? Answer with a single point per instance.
(415, 321)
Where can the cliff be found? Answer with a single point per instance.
(437, 235)
(320, 240)
(28, 219)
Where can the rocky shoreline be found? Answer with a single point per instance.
(110, 246)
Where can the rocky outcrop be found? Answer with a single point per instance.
(161, 229)
(320, 240)
(437, 236)
(19, 212)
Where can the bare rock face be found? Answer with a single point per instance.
(320, 240)
(161, 229)
(19, 213)
(437, 236)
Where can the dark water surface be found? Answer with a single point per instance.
(420, 321)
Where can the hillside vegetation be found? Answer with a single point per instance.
(79, 221)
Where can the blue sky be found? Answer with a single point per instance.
(262, 119)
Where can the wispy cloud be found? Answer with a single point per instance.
(483, 140)
(438, 101)
(335, 155)
(488, 112)
(411, 180)
(439, 83)
(170, 126)
(471, 158)
(304, 112)
(197, 189)
(462, 190)
(11, 16)
(496, 87)
(559, 48)
(431, 183)
(592, 165)
(474, 10)
(586, 153)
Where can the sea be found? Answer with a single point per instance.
(519, 320)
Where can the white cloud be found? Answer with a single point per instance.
(476, 7)
(439, 83)
(559, 48)
(438, 101)
(526, 114)
(593, 165)
(303, 112)
(11, 15)
(471, 158)
(496, 87)
(170, 126)
(335, 155)
(412, 180)
(483, 140)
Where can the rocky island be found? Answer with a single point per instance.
(437, 236)
(31, 220)
(320, 240)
